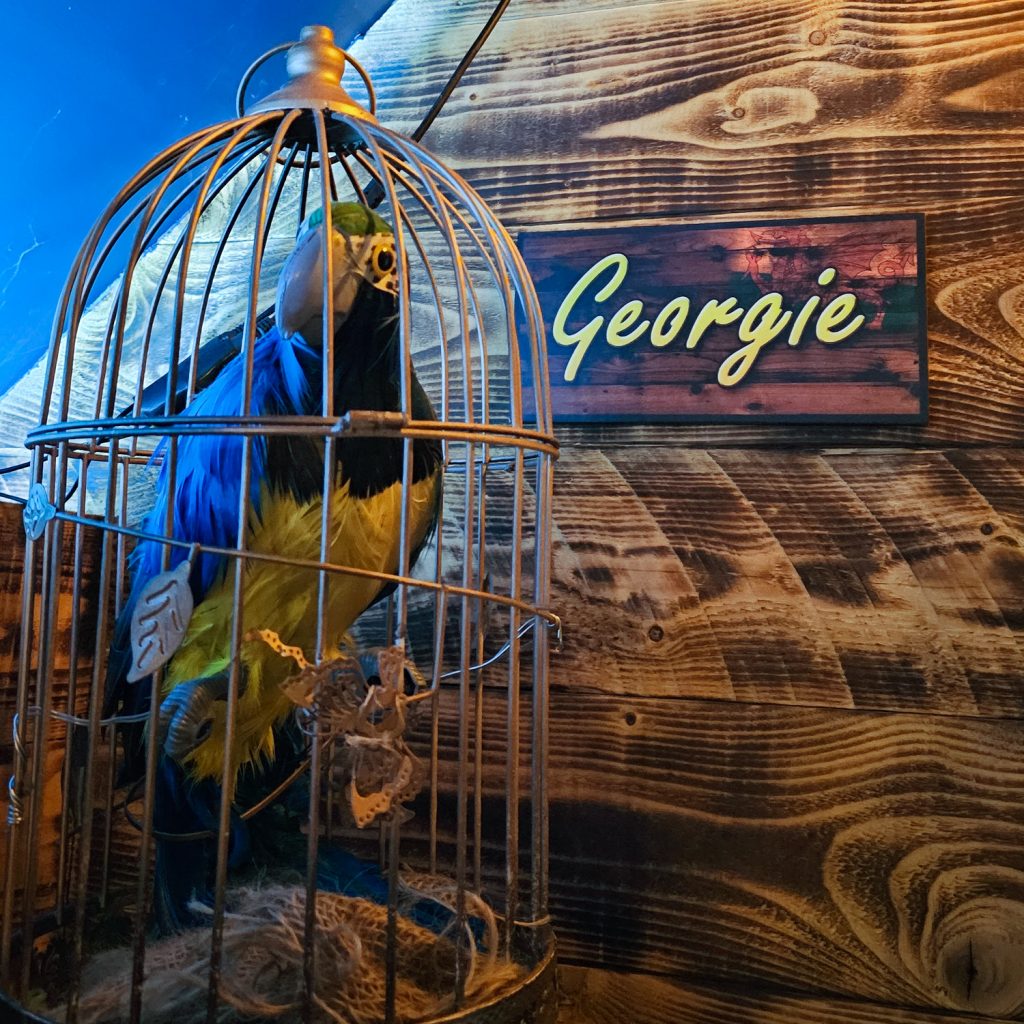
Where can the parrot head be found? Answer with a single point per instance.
(363, 255)
(193, 720)
(188, 714)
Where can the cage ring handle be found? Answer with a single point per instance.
(281, 48)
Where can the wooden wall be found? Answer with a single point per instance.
(787, 755)
(12, 581)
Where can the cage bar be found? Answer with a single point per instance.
(182, 267)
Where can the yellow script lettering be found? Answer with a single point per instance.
(585, 335)
(678, 309)
(832, 317)
(713, 312)
(624, 318)
(762, 324)
(803, 318)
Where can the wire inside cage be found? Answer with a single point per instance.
(201, 235)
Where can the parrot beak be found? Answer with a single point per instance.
(300, 288)
(186, 714)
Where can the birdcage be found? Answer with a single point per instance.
(346, 692)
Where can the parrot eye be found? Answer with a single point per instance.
(383, 259)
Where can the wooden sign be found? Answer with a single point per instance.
(818, 319)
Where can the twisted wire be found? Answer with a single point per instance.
(15, 799)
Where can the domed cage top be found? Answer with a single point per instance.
(421, 720)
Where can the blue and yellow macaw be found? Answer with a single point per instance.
(287, 479)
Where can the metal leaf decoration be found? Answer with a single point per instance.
(393, 774)
(38, 512)
(160, 619)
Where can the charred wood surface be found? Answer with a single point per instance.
(869, 856)
(589, 996)
(696, 110)
(785, 738)
(851, 579)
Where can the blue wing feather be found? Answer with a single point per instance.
(208, 475)
(205, 498)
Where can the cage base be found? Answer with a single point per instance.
(533, 1001)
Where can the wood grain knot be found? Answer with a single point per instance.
(940, 901)
(767, 107)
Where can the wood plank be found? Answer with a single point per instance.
(636, 613)
(875, 856)
(865, 360)
(863, 855)
(830, 579)
(825, 579)
(42, 847)
(589, 996)
(935, 518)
(731, 52)
(1000, 481)
(615, 74)
(696, 109)
(12, 576)
(759, 399)
(476, 12)
(891, 644)
(750, 592)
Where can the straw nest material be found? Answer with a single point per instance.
(262, 963)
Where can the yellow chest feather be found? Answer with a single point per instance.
(364, 534)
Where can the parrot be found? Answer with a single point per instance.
(286, 502)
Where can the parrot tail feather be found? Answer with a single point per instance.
(339, 871)
(185, 867)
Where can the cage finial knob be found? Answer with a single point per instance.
(315, 66)
(316, 54)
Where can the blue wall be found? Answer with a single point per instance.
(92, 91)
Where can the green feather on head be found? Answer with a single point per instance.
(364, 252)
(352, 219)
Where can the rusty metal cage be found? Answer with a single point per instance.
(186, 257)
